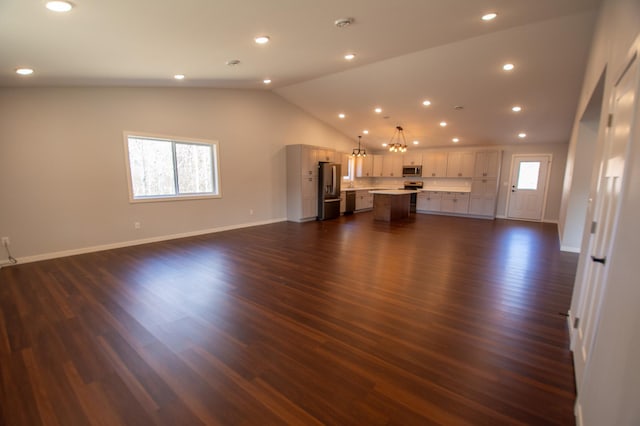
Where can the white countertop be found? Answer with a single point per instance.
(393, 191)
(366, 188)
(447, 189)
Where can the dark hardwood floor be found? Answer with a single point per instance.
(435, 320)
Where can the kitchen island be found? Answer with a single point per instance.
(391, 204)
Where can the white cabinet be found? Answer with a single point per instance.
(460, 164)
(483, 197)
(429, 201)
(308, 159)
(364, 166)
(326, 155)
(487, 164)
(378, 161)
(434, 164)
(364, 200)
(455, 202)
(412, 159)
(392, 165)
(343, 202)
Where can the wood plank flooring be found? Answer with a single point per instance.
(433, 320)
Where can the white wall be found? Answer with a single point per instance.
(62, 170)
(611, 383)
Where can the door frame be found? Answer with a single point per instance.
(546, 185)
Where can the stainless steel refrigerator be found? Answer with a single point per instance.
(329, 177)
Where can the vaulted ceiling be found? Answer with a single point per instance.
(406, 51)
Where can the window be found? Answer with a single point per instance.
(528, 175)
(161, 168)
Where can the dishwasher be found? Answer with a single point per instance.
(350, 202)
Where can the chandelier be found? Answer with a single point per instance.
(400, 144)
(357, 152)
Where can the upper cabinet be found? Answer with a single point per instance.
(412, 159)
(308, 160)
(392, 165)
(460, 164)
(378, 160)
(326, 155)
(487, 164)
(364, 166)
(434, 164)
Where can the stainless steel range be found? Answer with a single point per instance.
(414, 197)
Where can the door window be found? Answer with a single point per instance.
(528, 176)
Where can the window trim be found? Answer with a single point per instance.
(215, 150)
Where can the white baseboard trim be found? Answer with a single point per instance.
(578, 414)
(570, 249)
(500, 216)
(526, 220)
(102, 247)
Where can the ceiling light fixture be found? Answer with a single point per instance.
(59, 6)
(341, 115)
(349, 56)
(508, 67)
(366, 132)
(516, 108)
(357, 152)
(233, 62)
(522, 135)
(24, 71)
(489, 16)
(179, 76)
(416, 142)
(378, 110)
(455, 140)
(262, 39)
(343, 22)
(426, 102)
(443, 124)
(266, 81)
(400, 144)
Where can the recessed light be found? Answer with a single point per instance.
(426, 102)
(455, 140)
(508, 67)
(378, 110)
(516, 108)
(24, 71)
(384, 144)
(522, 135)
(59, 6)
(366, 132)
(266, 81)
(416, 142)
(443, 124)
(233, 62)
(262, 39)
(489, 16)
(349, 56)
(341, 115)
(179, 76)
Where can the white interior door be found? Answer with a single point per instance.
(605, 216)
(529, 175)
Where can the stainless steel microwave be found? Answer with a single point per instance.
(411, 171)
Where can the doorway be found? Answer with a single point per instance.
(528, 192)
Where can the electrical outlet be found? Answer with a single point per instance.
(251, 211)
(5, 241)
(136, 225)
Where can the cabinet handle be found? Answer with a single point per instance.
(484, 174)
(459, 174)
(433, 174)
(484, 181)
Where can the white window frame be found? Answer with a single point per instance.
(217, 193)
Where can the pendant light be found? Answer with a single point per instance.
(400, 144)
(358, 152)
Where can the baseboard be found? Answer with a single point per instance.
(500, 216)
(570, 329)
(578, 414)
(102, 247)
(570, 249)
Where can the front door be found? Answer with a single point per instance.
(529, 175)
(605, 217)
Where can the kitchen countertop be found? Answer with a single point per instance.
(446, 189)
(366, 188)
(393, 191)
